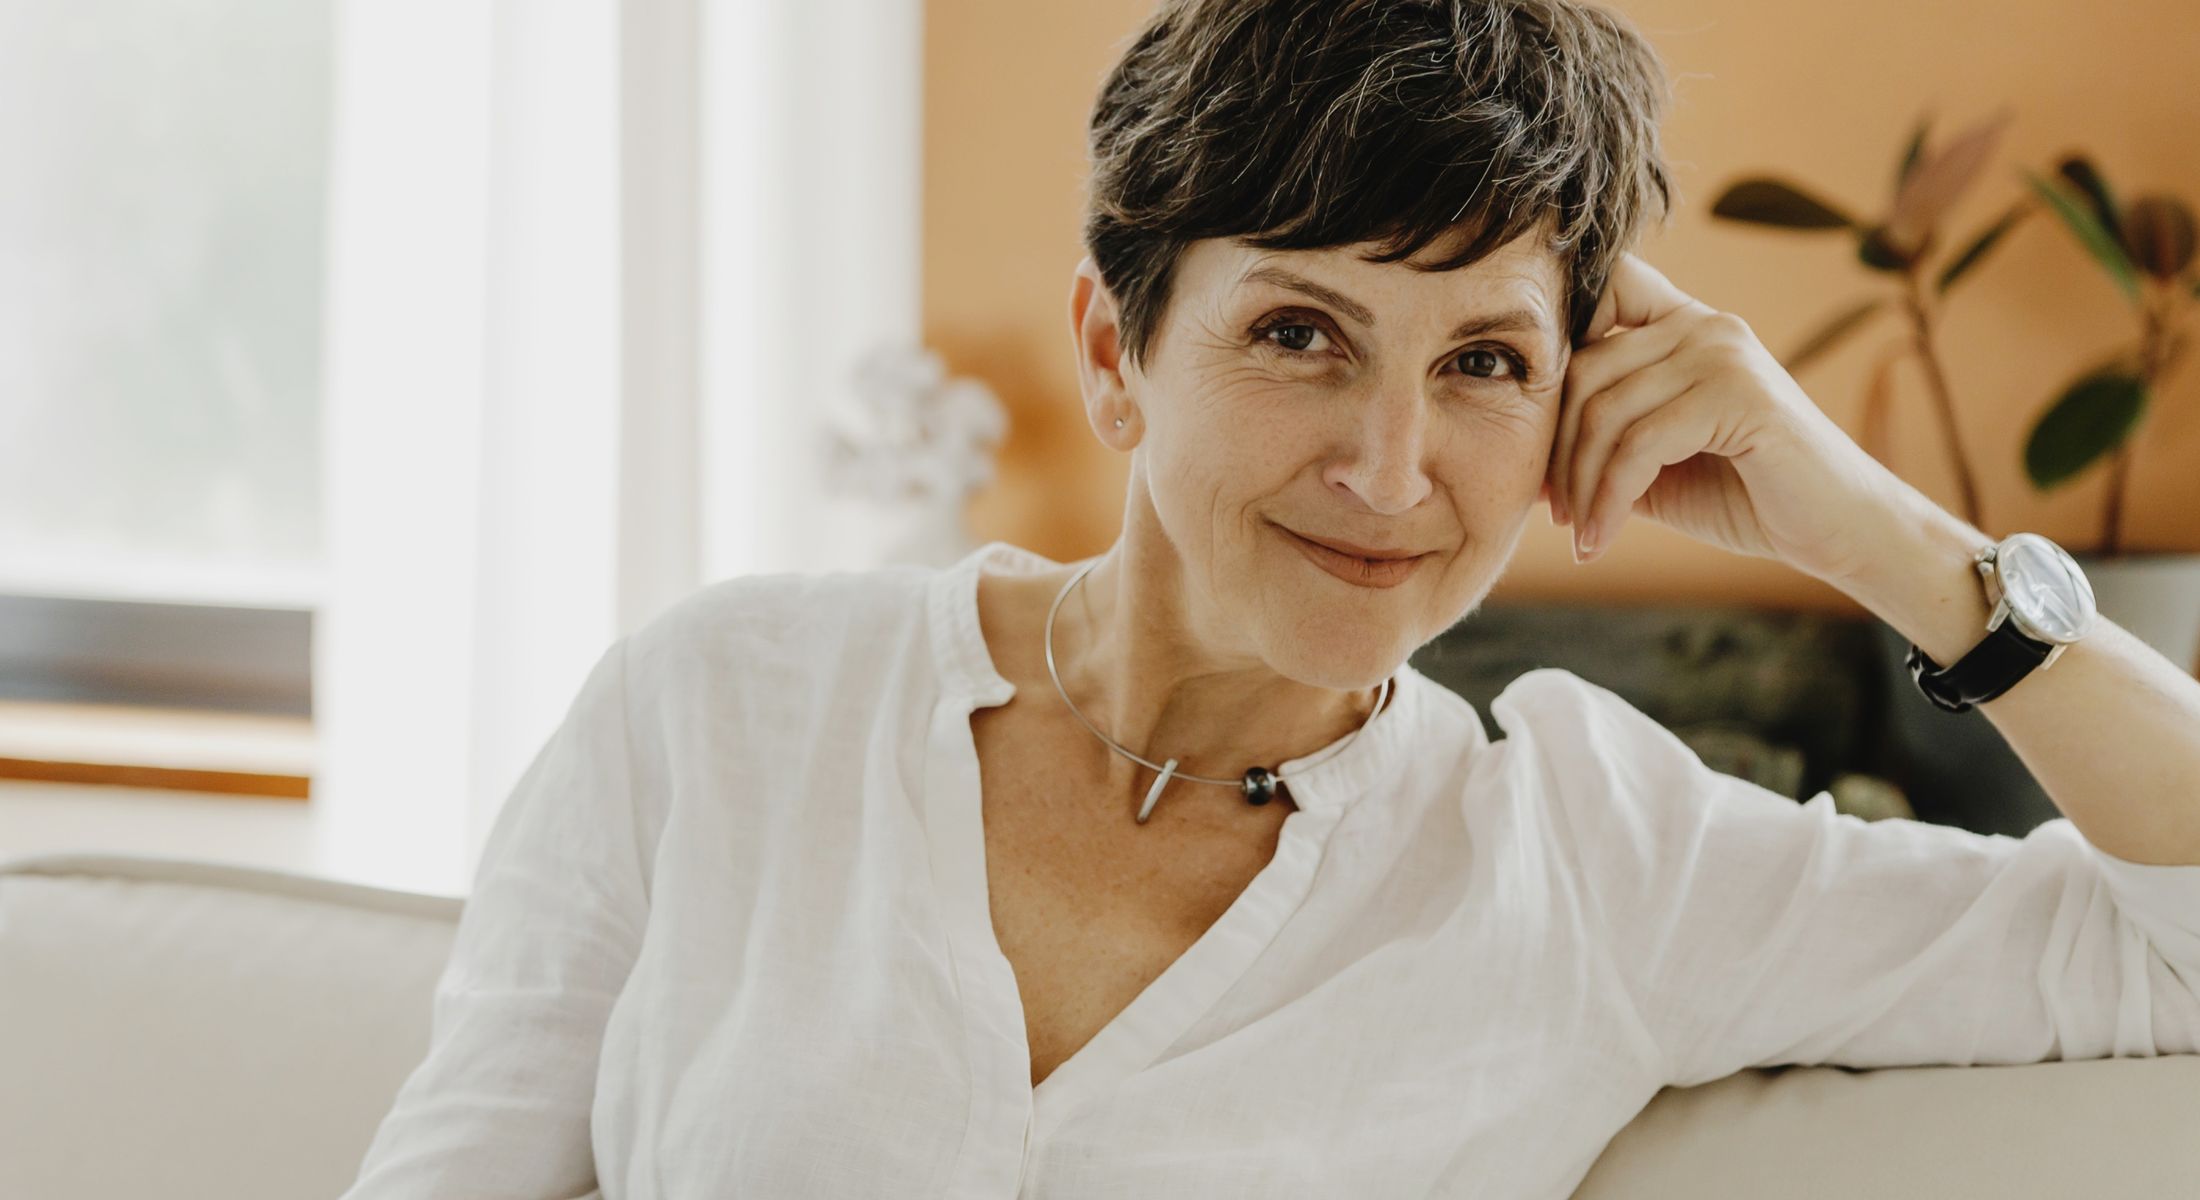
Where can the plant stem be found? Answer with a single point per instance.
(2159, 347)
(1943, 403)
(2119, 469)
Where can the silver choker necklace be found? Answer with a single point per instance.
(1258, 783)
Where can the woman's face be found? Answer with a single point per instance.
(1312, 394)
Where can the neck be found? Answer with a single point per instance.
(1166, 676)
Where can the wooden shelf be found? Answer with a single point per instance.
(198, 750)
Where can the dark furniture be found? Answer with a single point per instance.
(1790, 700)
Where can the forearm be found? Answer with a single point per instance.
(2111, 731)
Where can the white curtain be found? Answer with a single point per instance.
(595, 267)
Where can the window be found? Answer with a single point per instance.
(161, 260)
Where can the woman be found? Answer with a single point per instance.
(1163, 874)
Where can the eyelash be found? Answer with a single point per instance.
(1522, 372)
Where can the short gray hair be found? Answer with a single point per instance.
(1309, 124)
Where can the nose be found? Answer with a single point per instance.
(1384, 470)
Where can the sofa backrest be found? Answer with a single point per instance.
(184, 1029)
(180, 1028)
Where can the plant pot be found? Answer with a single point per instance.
(2155, 596)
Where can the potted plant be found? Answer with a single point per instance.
(1901, 243)
(1964, 772)
(2146, 248)
(1959, 769)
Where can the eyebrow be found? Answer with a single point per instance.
(1496, 322)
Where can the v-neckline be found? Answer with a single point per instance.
(1192, 983)
(1167, 1007)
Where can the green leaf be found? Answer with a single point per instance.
(1976, 251)
(1875, 251)
(2084, 176)
(1839, 326)
(2092, 418)
(1772, 202)
(1909, 156)
(2090, 234)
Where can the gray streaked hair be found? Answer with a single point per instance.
(1310, 124)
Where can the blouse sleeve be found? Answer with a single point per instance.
(1755, 931)
(500, 1106)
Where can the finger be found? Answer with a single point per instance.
(1671, 433)
(1562, 440)
(1603, 319)
(1642, 295)
(1608, 415)
(1590, 370)
(1635, 297)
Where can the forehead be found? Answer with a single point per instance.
(1525, 270)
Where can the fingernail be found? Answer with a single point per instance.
(1575, 545)
(1589, 536)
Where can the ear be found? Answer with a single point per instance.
(1095, 331)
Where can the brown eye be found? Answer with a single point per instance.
(1483, 354)
(1289, 336)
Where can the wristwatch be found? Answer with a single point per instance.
(2042, 603)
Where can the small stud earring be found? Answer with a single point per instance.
(1119, 422)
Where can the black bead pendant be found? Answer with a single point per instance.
(1259, 785)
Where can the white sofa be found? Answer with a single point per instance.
(181, 1029)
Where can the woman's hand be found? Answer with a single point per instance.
(1683, 416)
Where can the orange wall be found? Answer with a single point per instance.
(1821, 94)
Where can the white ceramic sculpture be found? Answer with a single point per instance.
(913, 444)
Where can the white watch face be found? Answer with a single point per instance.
(2048, 596)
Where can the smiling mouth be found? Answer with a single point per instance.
(1355, 569)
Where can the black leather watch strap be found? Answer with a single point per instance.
(1992, 667)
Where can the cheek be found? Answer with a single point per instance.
(1493, 450)
(1244, 427)
(1244, 398)
(1227, 464)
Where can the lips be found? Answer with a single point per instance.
(1358, 551)
(1358, 569)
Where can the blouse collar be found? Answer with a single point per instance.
(967, 671)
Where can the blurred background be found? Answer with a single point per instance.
(368, 365)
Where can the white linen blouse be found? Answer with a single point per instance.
(730, 936)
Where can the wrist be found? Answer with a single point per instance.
(1924, 582)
